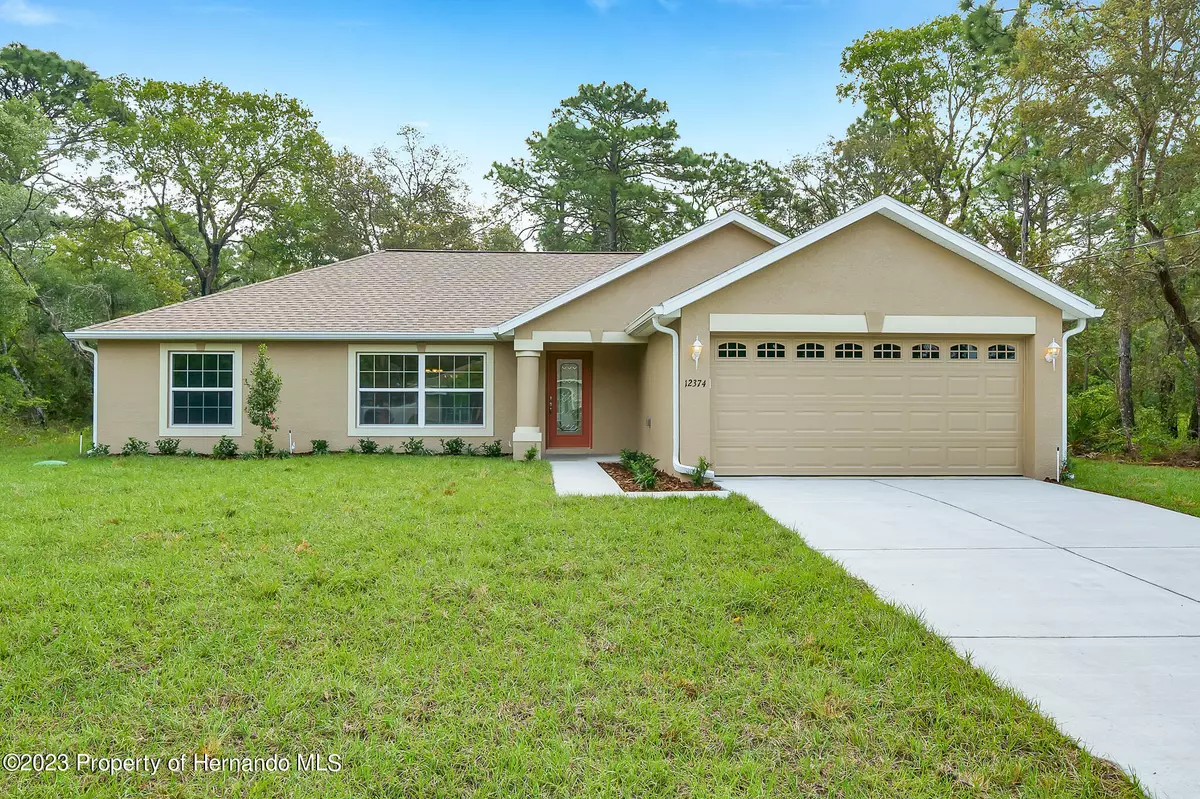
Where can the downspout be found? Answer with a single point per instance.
(1079, 328)
(675, 463)
(95, 386)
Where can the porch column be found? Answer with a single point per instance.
(528, 433)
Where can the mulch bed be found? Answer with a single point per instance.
(666, 482)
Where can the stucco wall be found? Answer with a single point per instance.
(877, 267)
(615, 305)
(314, 402)
(656, 437)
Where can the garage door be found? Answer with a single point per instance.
(814, 405)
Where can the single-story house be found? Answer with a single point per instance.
(879, 343)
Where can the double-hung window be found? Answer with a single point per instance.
(202, 389)
(410, 389)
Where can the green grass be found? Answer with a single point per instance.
(449, 627)
(1166, 486)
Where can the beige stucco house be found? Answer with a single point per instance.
(880, 343)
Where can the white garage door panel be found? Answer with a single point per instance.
(868, 416)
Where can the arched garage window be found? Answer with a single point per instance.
(887, 352)
(852, 351)
(810, 350)
(731, 349)
(964, 352)
(926, 352)
(771, 350)
(1002, 352)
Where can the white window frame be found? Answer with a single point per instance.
(356, 430)
(165, 427)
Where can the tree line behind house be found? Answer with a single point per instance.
(1062, 135)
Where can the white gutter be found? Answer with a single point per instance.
(269, 335)
(675, 464)
(95, 387)
(1079, 328)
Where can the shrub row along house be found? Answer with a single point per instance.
(879, 343)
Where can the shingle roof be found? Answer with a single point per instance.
(394, 291)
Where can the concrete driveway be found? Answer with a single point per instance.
(1087, 604)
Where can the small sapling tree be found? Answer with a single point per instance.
(262, 399)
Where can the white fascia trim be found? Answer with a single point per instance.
(270, 335)
(165, 428)
(539, 338)
(1072, 305)
(731, 218)
(644, 323)
(979, 325)
(786, 323)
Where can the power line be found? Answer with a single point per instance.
(1103, 253)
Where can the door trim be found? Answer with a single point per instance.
(553, 438)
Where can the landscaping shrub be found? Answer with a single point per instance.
(388, 450)
(319, 446)
(167, 446)
(368, 446)
(455, 446)
(628, 457)
(190, 453)
(135, 446)
(644, 474)
(492, 450)
(414, 446)
(697, 477)
(226, 447)
(531, 454)
(97, 451)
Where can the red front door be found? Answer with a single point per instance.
(569, 399)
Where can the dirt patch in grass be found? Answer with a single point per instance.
(666, 482)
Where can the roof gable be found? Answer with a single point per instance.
(731, 218)
(1072, 305)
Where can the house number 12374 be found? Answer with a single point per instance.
(695, 382)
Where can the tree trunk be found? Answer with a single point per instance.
(1125, 381)
(612, 217)
(39, 413)
(1194, 421)
(1024, 215)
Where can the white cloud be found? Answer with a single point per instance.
(22, 13)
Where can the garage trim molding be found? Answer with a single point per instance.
(786, 323)
(975, 325)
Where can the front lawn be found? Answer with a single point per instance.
(449, 627)
(1166, 486)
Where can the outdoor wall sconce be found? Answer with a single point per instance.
(1052, 352)
(697, 348)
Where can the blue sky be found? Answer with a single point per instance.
(754, 78)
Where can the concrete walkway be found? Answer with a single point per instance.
(581, 475)
(1087, 604)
